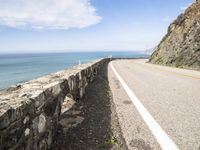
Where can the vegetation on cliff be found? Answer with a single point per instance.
(181, 46)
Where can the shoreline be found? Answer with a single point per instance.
(13, 84)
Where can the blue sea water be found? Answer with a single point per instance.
(15, 68)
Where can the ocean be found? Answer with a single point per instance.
(16, 68)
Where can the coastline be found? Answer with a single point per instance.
(33, 109)
(20, 69)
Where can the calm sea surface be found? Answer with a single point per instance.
(15, 68)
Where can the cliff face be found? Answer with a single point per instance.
(181, 46)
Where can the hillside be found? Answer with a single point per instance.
(181, 45)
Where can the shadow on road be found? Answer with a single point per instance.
(92, 122)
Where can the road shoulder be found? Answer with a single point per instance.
(135, 132)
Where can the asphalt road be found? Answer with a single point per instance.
(170, 95)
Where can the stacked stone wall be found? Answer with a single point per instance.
(29, 112)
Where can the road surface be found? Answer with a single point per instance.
(157, 106)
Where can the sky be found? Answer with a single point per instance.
(34, 26)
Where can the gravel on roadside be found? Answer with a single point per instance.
(92, 122)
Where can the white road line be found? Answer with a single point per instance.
(161, 136)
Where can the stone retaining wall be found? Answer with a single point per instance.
(29, 112)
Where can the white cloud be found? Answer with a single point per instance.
(167, 19)
(183, 8)
(51, 14)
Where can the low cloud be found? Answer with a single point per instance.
(183, 8)
(167, 19)
(50, 14)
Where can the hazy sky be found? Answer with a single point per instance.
(85, 25)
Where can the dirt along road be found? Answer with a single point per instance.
(158, 107)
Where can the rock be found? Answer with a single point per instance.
(68, 103)
(181, 46)
(30, 112)
(26, 119)
(27, 132)
(42, 123)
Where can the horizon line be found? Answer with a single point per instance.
(72, 51)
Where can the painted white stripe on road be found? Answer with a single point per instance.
(161, 136)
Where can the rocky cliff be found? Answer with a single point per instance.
(181, 46)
